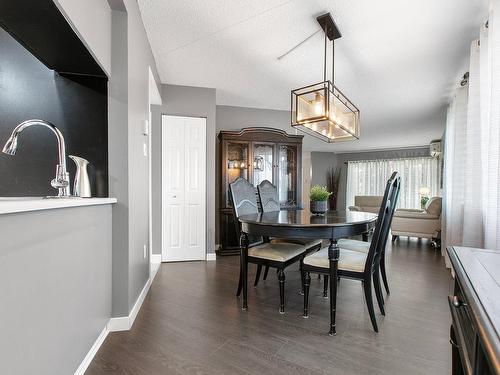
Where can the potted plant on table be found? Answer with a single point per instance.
(319, 199)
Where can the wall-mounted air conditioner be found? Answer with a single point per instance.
(435, 149)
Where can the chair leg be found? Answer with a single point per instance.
(257, 275)
(384, 275)
(307, 283)
(240, 286)
(378, 291)
(367, 286)
(325, 286)
(364, 237)
(266, 270)
(301, 266)
(281, 279)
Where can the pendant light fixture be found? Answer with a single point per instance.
(321, 109)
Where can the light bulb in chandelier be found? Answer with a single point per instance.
(318, 105)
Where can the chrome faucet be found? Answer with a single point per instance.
(61, 181)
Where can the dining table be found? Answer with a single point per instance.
(302, 224)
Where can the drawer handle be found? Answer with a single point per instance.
(457, 302)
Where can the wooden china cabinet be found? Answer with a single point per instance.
(257, 154)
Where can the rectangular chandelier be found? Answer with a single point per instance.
(322, 111)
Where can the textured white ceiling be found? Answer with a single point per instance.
(398, 60)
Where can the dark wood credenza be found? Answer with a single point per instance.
(475, 311)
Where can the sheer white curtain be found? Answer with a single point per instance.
(472, 146)
(368, 177)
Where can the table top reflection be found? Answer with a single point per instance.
(304, 218)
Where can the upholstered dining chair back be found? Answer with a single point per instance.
(268, 196)
(383, 223)
(243, 197)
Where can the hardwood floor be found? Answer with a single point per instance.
(191, 323)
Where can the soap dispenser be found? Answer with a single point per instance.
(81, 186)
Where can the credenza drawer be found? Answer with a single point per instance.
(462, 328)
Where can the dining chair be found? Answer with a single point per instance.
(357, 265)
(275, 255)
(364, 246)
(269, 202)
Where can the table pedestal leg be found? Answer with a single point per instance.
(244, 267)
(333, 256)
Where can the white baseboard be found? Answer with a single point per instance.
(138, 303)
(155, 258)
(155, 265)
(121, 323)
(92, 352)
(124, 323)
(211, 256)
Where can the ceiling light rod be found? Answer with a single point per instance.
(331, 32)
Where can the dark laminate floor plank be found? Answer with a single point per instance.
(191, 323)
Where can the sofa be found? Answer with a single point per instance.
(424, 223)
(367, 203)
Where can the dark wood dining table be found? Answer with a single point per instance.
(295, 224)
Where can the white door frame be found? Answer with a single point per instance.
(154, 98)
(163, 251)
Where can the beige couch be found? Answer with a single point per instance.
(367, 203)
(419, 223)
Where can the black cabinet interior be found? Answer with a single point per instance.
(41, 28)
(46, 72)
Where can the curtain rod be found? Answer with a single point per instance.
(393, 159)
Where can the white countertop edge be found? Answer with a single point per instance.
(13, 205)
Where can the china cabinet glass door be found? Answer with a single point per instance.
(287, 175)
(237, 161)
(263, 163)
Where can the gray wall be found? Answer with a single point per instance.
(118, 160)
(233, 118)
(320, 161)
(140, 58)
(131, 58)
(55, 283)
(184, 101)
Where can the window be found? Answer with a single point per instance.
(368, 177)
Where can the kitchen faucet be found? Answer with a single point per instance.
(61, 181)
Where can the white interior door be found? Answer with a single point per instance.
(183, 188)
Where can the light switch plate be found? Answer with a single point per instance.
(145, 127)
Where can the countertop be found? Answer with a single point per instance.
(9, 205)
